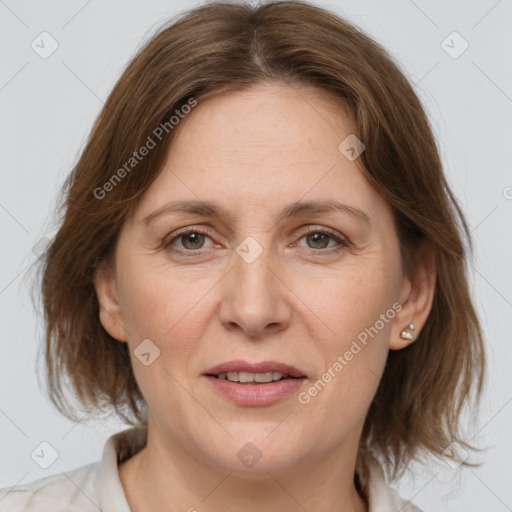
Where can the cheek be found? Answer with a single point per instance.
(171, 310)
(160, 302)
(351, 312)
(341, 303)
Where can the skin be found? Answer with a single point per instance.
(254, 153)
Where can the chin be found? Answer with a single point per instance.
(255, 453)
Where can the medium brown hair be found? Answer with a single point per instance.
(221, 47)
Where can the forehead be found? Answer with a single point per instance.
(272, 144)
(269, 117)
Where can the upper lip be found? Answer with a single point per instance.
(261, 367)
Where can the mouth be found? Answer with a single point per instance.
(255, 384)
(253, 378)
(243, 372)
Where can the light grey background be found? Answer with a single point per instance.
(47, 107)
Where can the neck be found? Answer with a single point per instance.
(165, 476)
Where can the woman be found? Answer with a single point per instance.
(261, 268)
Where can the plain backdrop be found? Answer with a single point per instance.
(48, 105)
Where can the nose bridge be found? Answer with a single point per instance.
(252, 268)
(254, 298)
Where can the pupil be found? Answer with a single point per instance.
(192, 239)
(318, 238)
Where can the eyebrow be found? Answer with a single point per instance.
(299, 208)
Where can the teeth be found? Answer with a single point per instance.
(247, 377)
(265, 377)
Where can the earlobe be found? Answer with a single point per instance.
(416, 298)
(109, 309)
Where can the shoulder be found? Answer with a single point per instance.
(91, 488)
(381, 497)
(68, 491)
(400, 503)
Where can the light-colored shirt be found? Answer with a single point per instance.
(97, 487)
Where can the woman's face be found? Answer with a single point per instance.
(242, 282)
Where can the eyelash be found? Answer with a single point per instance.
(342, 243)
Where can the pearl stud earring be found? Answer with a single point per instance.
(407, 333)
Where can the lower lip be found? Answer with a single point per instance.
(256, 394)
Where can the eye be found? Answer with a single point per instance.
(319, 239)
(189, 240)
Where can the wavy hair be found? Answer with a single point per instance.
(222, 46)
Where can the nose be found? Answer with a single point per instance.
(254, 298)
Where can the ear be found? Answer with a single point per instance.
(416, 297)
(110, 310)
